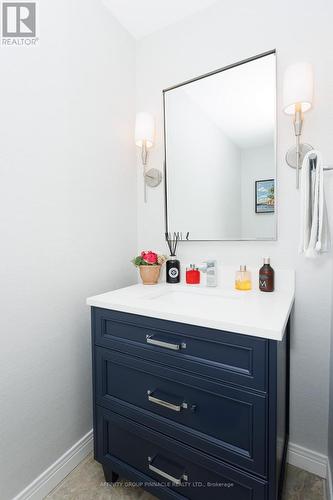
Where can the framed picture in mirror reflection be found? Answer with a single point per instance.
(265, 196)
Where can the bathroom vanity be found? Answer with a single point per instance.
(191, 385)
(191, 390)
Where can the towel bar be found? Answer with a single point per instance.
(313, 160)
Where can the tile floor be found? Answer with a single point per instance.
(87, 482)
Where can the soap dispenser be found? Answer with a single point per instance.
(266, 276)
(243, 279)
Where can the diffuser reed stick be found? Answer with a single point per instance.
(172, 240)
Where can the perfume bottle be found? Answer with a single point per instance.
(192, 275)
(243, 279)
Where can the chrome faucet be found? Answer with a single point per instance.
(210, 268)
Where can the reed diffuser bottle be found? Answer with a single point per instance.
(173, 270)
(172, 264)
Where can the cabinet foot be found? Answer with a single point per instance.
(110, 475)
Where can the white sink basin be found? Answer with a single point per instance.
(192, 297)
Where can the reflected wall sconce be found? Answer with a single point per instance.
(297, 99)
(144, 139)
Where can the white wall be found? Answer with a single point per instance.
(221, 35)
(330, 421)
(67, 223)
(204, 171)
(257, 164)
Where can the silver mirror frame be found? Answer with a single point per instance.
(211, 73)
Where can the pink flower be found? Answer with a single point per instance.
(149, 257)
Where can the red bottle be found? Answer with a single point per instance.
(192, 275)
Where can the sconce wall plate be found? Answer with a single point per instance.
(291, 155)
(153, 177)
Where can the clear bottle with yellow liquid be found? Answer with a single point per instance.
(243, 279)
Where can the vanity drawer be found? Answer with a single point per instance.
(220, 420)
(230, 357)
(162, 460)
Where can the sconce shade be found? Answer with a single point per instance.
(144, 129)
(298, 87)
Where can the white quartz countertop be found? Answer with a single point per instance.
(250, 313)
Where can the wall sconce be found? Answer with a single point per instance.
(297, 99)
(144, 139)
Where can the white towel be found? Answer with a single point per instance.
(315, 236)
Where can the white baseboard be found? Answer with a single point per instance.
(313, 462)
(51, 477)
(329, 483)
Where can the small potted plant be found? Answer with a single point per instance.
(149, 264)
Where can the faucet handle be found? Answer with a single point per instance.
(209, 264)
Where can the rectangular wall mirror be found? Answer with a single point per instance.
(220, 160)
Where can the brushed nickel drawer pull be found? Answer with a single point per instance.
(166, 404)
(167, 345)
(176, 481)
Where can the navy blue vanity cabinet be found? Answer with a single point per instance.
(189, 412)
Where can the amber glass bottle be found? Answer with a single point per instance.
(266, 277)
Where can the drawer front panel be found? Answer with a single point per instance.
(178, 467)
(237, 359)
(226, 422)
